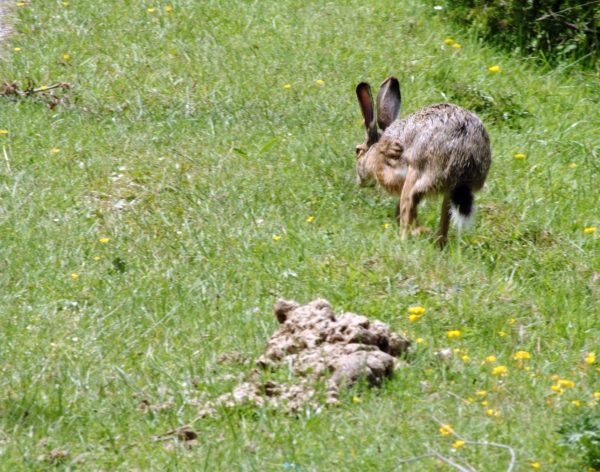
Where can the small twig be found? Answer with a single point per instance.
(50, 87)
(448, 461)
(459, 397)
(513, 457)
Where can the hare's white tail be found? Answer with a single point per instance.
(462, 207)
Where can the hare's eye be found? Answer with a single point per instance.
(358, 149)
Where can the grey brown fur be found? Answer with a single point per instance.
(439, 149)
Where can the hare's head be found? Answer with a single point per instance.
(388, 109)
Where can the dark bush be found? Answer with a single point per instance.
(554, 30)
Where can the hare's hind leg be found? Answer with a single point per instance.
(442, 232)
(412, 193)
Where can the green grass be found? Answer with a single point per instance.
(163, 146)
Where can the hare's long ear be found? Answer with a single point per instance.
(389, 102)
(365, 100)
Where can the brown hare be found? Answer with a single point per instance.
(439, 149)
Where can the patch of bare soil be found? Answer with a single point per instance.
(315, 345)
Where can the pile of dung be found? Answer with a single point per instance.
(314, 344)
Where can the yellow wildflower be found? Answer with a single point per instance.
(522, 355)
(490, 412)
(21, 4)
(97, 258)
(557, 389)
(565, 383)
(150, 10)
(596, 394)
(465, 358)
(500, 370)
(449, 41)
(55, 150)
(535, 465)
(453, 334)
(413, 318)
(104, 240)
(385, 225)
(512, 321)
(287, 86)
(419, 340)
(458, 444)
(43, 87)
(481, 393)
(75, 276)
(456, 46)
(577, 403)
(416, 310)
(485, 403)
(589, 230)
(356, 399)
(17, 49)
(572, 165)
(276, 237)
(490, 359)
(494, 69)
(501, 333)
(310, 219)
(66, 57)
(591, 358)
(446, 430)
(169, 9)
(65, 4)
(3, 131)
(519, 156)
(320, 82)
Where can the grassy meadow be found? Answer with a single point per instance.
(201, 165)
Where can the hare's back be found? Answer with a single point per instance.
(449, 141)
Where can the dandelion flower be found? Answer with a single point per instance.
(17, 49)
(565, 383)
(557, 389)
(413, 318)
(276, 237)
(512, 321)
(21, 4)
(75, 276)
(3, 131)
(489, 412)
(500, 370)
(591, 358)
(494, 69)
(485, 403)
(572, 165)
(501, 333)
(310, 219)
(150, 10)
(356, 399)
(419, 340)
(577, 403)
(449, 41)
(320, 82)
(490, 359)
(535, 465)
(456, 46)
(104, 240)
(385, 225)
(458, 444)
(416, 310)
(453, 334)
(481, 393)
(446, 430)
(465, 358)
(287, 86)
(522, 355)
(97, 258)
(169, 9)
(589, 230)
(596, 394)
(519, 156)
(55, 150)
(66, 57)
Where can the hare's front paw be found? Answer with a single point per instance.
(420, 230)
(391, 148)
